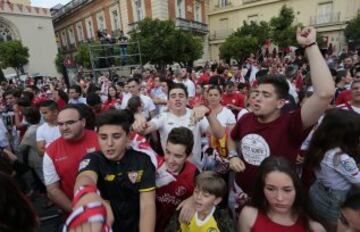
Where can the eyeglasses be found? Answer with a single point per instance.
(68, 123)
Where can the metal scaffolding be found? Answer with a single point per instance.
(110, 58)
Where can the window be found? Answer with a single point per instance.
(324, 13)
(180, 8)
(115, 20)
(139, 10)
(71, 35)
(197, 14)
(223, 3)
(6, 33)
(80, 33)
(63, 39)
(89, 28)
(101, 21)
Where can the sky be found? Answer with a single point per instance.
(48, 3)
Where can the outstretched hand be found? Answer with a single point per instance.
(306, 35)
(93, 226)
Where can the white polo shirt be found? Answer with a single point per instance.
(166, 121)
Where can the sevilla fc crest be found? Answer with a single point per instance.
(132, 176)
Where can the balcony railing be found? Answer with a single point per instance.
(191, 26)
(330, 18)
(68, 48)
(220, 34)
(223, 4)
(69, 8)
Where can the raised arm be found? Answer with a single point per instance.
(215, 128)
(321, 78)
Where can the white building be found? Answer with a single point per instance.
(33, 27)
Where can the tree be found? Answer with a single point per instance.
(82, 56)
(161, 43)
(248, 39)
(283, 32)
(2, 76)
(13, 55)
(59, 63)
(259, 30)
(352, 31)
(191, 48)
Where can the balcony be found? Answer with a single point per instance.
(69, 48)
(223, 4)
(192, 26)
(69, 8)
(220, 34)
(325, 19)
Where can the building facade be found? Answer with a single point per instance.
(79, 20)
(33, 27)
(23, 2)
(328, 16)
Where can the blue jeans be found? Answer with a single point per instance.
(123, 54)
(325, 201)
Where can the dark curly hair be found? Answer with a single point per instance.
(339, 128)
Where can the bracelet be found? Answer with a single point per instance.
(309, 45)
(89, 213)
(84, 190)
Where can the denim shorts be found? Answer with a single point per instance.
(325, 201)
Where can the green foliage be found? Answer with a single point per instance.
(161, 43)
(261, 30)
(82, 56)
(283, 32)
(352, 31)
(2, 76)
(246, 40)
(59, 63)
(13, 55)
(189, 49)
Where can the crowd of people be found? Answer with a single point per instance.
(274, 144)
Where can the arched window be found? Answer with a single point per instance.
(6, 33)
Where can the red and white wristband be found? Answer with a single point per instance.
(91, 212)
(82, 191)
